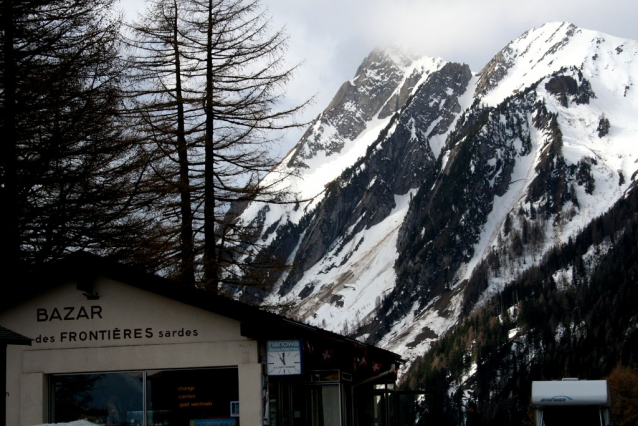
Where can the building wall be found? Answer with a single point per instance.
(125, 329)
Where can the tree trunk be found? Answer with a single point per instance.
(211, 268)
(186, 230)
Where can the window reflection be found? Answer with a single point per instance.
(324, 405)
(173, 398)
(311, 405)
(107, 398)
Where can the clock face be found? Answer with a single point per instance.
(284, 357)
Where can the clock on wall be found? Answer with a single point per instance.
(284, 357)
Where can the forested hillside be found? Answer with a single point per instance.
(573, 315)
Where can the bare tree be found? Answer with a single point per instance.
(210, 79)
(67, 172)
(166, 119)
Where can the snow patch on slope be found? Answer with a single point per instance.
(614, 157)
(308, 184)
(344, 296)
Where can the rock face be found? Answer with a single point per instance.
(357, 102)
(362, 108)
(429, 188)
(363, 196)
(495, 71)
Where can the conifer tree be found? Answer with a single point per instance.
(67, 172)
(210, 77)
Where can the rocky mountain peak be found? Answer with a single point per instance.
(536, 48)
(381, 86)
(553, 48)
(433, 187)
(386, 56)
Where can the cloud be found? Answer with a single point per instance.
(332, 37)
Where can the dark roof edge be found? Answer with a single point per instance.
(9, 337)
(86, 267)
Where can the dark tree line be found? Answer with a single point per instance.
(67, 171)
(541, 329)
(141, 147)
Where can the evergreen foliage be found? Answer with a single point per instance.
(603, 126)
(68, 172)
(543, 326)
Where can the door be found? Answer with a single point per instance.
(310, 405)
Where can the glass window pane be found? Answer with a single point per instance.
(330, 405)
(379, 409)
(578, 415)
(107, 398)
(177, 397)
(316, 406)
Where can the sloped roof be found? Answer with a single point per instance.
(9, 337)
(84, 268)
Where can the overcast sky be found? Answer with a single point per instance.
(332, 37)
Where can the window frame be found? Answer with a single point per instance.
(145, 372)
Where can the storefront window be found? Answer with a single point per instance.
(177, 398)
(108, 398)
(204, 397)
(372, 408)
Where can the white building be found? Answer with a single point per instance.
(112, 345)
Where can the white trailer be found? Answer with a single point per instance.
(571, 401)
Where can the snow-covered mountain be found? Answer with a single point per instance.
(429, 187)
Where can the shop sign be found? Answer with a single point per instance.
(93, 314)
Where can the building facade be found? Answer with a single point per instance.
(116, 346)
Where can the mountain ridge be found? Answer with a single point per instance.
(472, 177)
